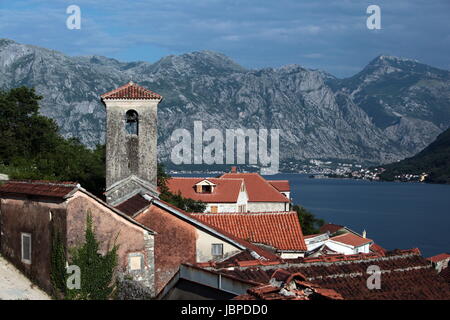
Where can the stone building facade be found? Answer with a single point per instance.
(131, 141)
(31, 211)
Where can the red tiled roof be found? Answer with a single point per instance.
(445, 274)
(351, 239)
(377, 249)
(439, 257)
(280, 185)
(260, 251)
(291, 287)
(131, 91)
(133, 205)
(280, 230)
(330, 227)
(258, 188)
(52, 189)
(226, 190)
(405, 275)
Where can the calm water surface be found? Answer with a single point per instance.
(395, 215)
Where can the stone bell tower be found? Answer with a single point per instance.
(131, 136)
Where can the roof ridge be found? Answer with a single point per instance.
(244, 213)
(148, 93)
(47, 182)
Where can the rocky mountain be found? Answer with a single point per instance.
(390, 110)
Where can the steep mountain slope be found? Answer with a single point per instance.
(410, 101)
(433, 160)
(321, 117)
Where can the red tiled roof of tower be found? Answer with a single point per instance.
(280, 230)
(226, 190)
(258, 188)
(53, 189)
(439, 257)
(351, 239)
(280, 185)
(131, 91)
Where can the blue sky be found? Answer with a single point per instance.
(329, 35)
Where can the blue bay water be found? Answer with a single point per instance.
(395, 215)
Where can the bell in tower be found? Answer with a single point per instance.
(131, 142)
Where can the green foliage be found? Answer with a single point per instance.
(58, 273)
(433, 160)
(31, 147)
(97, 271)
(310, 224)
(186, 204)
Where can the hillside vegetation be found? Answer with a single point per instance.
(32, 148)
(433, 160)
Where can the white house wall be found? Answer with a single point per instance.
(267, 206)
(204, 244)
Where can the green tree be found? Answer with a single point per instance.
(58, 273)
(97, 271)
(310, 224)
(32, 148)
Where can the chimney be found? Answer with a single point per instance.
(364, 234)
(233, 170)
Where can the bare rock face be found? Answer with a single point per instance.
(390, 110)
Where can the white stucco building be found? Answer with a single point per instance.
(235, 192)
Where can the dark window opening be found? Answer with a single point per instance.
(132, 122)
(204, 189)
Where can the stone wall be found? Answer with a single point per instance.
(110, 229)
(36, 216)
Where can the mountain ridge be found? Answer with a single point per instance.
(381, 114)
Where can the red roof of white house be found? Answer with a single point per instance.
(351, 239)
(439, 257)
(280, 230)
(280, 185)
(258, 188)
(225, 190)
(130, 91)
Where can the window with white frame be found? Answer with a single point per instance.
(26, 247)
(217, 249)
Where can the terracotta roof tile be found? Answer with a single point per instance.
(226, 190)
(377, 249)
(331, 228)
(405, 275)
(258, 188)
(141, 218)
(439, 257)
(280, 230)
(52, 189)
(280, 185)
(131, 91)
(351, 239)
